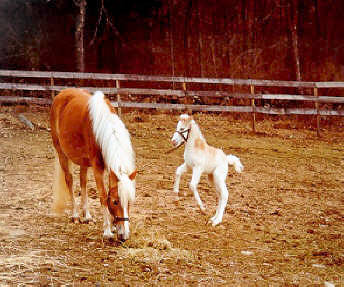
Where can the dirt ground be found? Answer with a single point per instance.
(284, 223)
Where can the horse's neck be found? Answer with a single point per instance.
(195, 133)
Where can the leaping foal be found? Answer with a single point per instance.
(203, 158)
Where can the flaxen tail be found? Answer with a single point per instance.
(61, 195)
(233, 160)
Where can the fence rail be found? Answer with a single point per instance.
(116, 80)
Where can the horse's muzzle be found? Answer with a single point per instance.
(121, 238)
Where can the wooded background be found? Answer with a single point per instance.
(262, 39)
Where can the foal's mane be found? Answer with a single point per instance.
(193, 125)
(112, 136)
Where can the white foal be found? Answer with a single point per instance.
(202, 158)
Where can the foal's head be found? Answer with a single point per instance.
(121, 194)
(183, 129)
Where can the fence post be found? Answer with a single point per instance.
(52, 91)
(184, 87)
(253, 105)
(118, 85)
(186, 100)
(317, 108)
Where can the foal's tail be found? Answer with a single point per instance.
(233, 160)
(61, 194)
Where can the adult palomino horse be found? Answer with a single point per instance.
(202, 158)
(86, 131)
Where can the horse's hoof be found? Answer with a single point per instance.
(108, 236)
(203, 210)
(110, 240)
(75, 220)
(85, 220)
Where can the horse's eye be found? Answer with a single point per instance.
(115, 202)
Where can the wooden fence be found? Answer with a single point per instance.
(13, 80)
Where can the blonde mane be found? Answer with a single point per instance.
(113, 138)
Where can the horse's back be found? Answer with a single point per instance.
(69, 121)
(67, 97)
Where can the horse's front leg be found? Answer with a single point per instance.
(196, 175)
(98, 170)
(84, 198)
(180, 170)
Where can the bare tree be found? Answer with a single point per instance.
(170, 8)
(79, 35)
(200, 40)
(186, 36)
(293, 17)
(104, 14)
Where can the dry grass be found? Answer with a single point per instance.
(283, 226)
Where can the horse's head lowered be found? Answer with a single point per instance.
(121, 194)
(181, 135)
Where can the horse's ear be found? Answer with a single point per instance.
(133, 175)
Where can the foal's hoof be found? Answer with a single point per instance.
(214, 222)
(203, 210)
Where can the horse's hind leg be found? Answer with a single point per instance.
(84, 198)
(65, 164)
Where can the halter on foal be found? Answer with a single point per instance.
(202, 158)
(86, 131)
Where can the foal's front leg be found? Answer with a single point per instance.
(180, 170)
(196, 175)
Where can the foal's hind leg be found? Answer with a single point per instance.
(211, 181)
(84, 198)
(65, 164)
(196, 175)
(221, 188)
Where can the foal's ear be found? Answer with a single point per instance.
(133, 175)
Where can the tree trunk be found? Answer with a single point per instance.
(212, 41)
(227, 50)
(186, 35)
(79, 36)
(200, 41)
(294, 37)
(170, 8)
